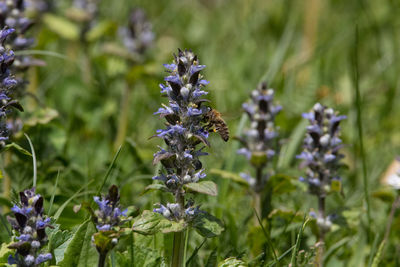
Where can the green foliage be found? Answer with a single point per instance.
(150, 223)
(304, 49)
(80, 251)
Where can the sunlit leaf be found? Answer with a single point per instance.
(204, 187)
(150, 223)
(207, 225)
(61, 26)
(232, 262)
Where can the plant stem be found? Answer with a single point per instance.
(321, 239)
(6, 179)
(102, 259)
(178, 250)
(123, 117)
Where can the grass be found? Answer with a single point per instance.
(242, 43)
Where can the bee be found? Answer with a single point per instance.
(215, 123)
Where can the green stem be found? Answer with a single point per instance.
(6, 179)
(123, 117)
(179, 238)
(102, 259)
(321, 240)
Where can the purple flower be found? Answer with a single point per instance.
(43, 258)
(193, 112)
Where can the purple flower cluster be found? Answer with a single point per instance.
(321, 149)
(138, 36)
(7, 83)
(13, 15)
(185, 130)
(109, 215)
(29, 224)
(260, 140)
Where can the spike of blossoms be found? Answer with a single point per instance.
(13, 15)
(108, 218)
(321, 155)
(109, 215)
(29, 224)
(138, 36)
(185, 130)
(7, 84)
(260, 141)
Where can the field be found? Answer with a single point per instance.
(89, 94)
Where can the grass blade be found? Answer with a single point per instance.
(60, 210)
(358, 104)
(109, 170)
(297, 245)
(54, 192)
(33, 160)
(267, 236)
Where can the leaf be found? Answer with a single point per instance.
(154, 187)
(258, 159)
(287, 215)
(58, 242)
(42, 117)
(80, 251)
(204, 187)
(232, 262)
(4, 253)
(212, 259)
(229, 175)
(281, 183)
(385, 194)
(151, 223)
(98, 31)
(207, 225)
(18, 148)
(61, 26)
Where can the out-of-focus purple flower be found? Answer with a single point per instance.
(261, 139)
(138, 36)
(321, 149)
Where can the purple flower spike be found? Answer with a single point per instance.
(321, 149)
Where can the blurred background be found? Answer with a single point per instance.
(94, 95)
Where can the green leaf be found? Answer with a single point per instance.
(80, 251)
(204, 187)
(232, 262)
(151, 223)
(58, 242)
(18, 148)
(207, 225)
(4, 253)
(229, 175)
(42, 117)
(258, 159)
(98, 31)
(61, 26)
(154, 187)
